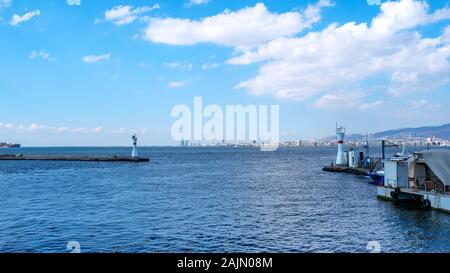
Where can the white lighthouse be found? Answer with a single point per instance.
(340, 159)
(134, 153)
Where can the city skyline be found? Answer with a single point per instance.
(90, 73)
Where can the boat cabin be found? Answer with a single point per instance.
(430, 171)
(425, 171)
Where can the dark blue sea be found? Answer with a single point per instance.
(203, 200)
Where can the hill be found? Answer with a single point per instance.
(442, 131)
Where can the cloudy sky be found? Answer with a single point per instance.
(87, 72)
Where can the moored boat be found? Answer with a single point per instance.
(377, 177)
(423, 178)
(9, 145)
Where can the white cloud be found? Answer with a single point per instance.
(96, 58)
(31, 128)
(74, 2)
(341, 56)
(80, 130)
(295, 67)
(405, 14)
(446, 35)
(246, 27)
(39, 54)
(197, 2)
(122, 15)
(370, 105)
(119, 131)
(344, 100)
(62, 129)
(171, 65)
(35, 126)
(97, 130)
(417, 104)
(40, 128)
(178, 65)
(176, 84)
(5, 3)
(17, 19)
(208, 66)
(337, 101)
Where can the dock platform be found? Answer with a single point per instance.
(75, 158)
(432, 200)
(338, 169)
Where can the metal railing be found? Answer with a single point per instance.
(437, 188)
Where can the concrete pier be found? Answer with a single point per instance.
(339, 169)
(429, 200)
(75, 158)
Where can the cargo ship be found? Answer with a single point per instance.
(9, 145)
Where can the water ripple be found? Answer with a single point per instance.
(204, 200)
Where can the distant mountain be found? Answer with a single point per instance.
(425, 132)
(352, 137)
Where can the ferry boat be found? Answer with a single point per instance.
(423, 178)
(9, 145)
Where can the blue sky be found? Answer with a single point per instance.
(92, 73)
